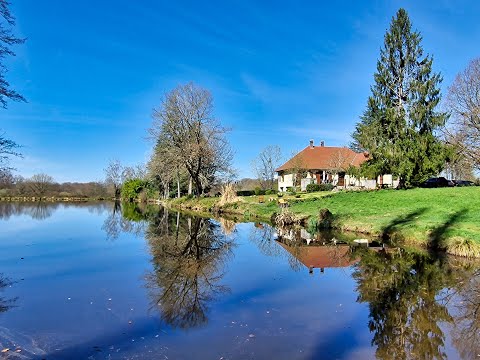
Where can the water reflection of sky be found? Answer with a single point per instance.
(80, 292)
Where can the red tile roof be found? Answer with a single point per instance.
(324, 158)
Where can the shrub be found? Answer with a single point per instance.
(291, 190)
(245, 193)
(313, 188)
(326, 187)
(131, 189)
(259, 191)
(325, 219)
(270, 192)
(463, 247)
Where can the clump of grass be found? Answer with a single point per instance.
(286, 217)
(228, 194)
(463, 247)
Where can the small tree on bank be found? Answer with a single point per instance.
(114, 177)
(398, 128)
(184, 124)
(265, 163)
(40, 184)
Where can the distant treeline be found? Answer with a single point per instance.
(42, 185)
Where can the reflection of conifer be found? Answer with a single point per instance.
(401, 288)
(188, 259)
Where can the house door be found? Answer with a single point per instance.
(341, 179)
(319, 178)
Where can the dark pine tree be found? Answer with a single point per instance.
(398, 128)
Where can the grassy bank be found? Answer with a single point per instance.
(446, 218)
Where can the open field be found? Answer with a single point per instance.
(447, 218)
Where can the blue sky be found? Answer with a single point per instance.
(280, 72)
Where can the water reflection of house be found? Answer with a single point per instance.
(320, 251)
(321, 256)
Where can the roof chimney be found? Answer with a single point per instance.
(322, 143)
(311, 144)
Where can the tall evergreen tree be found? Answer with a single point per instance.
(398, 128)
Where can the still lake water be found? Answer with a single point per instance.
(95, 281)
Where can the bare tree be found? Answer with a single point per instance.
(265, 163)
(133, 172)
(114, 176)
(7, 40)
(463, 101)
(8, 148)
(184, 123)
(7, 180)
(40, 184)
(164, 168)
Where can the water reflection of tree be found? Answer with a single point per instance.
(466, 332)
(129, 218)
(41, 210)
(36, 210)
(263, 236)
(189, 255)
(407, 301)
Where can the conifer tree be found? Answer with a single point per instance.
(398, 128)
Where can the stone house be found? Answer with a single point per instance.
(326, 164)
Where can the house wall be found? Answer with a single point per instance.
(285, 181)
(386, 180)
(350, 181)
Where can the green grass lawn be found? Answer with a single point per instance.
(417, 214)
(420, 216)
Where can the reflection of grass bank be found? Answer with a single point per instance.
(445, 218)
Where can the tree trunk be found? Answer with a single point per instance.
(198, 187)
(117, 192)
(178, 185)
(190, 186)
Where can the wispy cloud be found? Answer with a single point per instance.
(31, 165)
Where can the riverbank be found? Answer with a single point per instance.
(443, 218)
